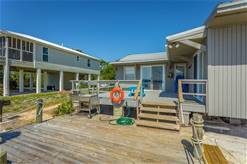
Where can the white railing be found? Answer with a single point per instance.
(195, 91)
(101, 86)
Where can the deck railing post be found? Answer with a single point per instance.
(180, 100)
(1, 110)
(39, 111)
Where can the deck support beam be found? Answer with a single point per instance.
(61, 81)
(45, 81)
(21, 80)
(30, 81)
(193, 44)
(6, 70)
(38, 80)
(77, 76)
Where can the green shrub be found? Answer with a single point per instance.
(65, 108)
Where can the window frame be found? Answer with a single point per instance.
(45, 54)
(126, 67)
(88, 63)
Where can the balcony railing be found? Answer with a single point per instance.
(27, 56)
(14, 54)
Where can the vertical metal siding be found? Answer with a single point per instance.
(227, 71)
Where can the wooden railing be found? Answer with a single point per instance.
(191, 92)
(102, 86)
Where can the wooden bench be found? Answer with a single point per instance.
(213, 155)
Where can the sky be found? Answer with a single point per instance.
(108, 30)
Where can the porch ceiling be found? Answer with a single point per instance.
(182, 46)
(183, 53)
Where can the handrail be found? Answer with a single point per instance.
(180, 100)
(181, 93)
(138, 90)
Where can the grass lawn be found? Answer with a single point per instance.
(28, 101)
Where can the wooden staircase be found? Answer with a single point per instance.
(158, 115)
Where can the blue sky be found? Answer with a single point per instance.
(105, 29)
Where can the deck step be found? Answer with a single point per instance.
(170, 105)
(158, 117)
(168, 126)
(161, 110)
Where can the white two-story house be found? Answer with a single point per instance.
(49, 66)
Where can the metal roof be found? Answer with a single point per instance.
(138, 58)
(48, 43)
(187, 33)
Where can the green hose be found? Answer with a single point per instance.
(126, 121)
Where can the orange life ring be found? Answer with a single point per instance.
(117, 95)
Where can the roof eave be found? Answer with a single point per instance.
(134, 62)
(44, 42)
(187, 33)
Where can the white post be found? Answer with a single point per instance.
(30, 81)
(21, 52)
(98, 77)
(38, 80)
(61, 81)
(98, 84)
(77, 75)
(89, 77)
(21, 81)
(34, 55)
(6, 70)
(45, 81)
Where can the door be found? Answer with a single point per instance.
(179, 73)
(157, 77)
(153, 77)
(180, 70)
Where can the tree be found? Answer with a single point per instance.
(107, 71)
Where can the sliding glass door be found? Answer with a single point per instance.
(146, 75)
(153, 77)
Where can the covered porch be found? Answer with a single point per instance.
(187, 55)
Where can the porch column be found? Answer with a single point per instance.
(61, 81)
(6, 80)
(45, 81)
(38, 80)
(21, 81)
(6, 70)
(30, 81)
(77, 75)
(89, 77)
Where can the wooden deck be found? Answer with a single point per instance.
(76, 139)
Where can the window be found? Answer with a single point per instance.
(2, 42)
(2, 46)
(9, 42)
(45, 50)
(45, 54)
(88, 63)
(27, 47)
(18, 44)
(77, 58)
(31, 47)
(129, 73)
(14, 42)
(23, 45)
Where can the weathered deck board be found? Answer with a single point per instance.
(76, 139)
